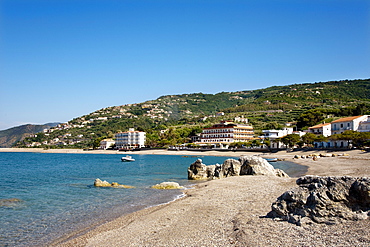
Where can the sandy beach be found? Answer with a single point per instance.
(230, 211)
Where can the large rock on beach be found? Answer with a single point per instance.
(167, 186)
(198, 171)
(230, 167)
(327, 200)
(246, 165)
(255, 165)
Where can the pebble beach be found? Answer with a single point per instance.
(230, 211)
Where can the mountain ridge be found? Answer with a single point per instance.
(188, 113)
(18, 133)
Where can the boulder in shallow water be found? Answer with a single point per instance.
(324, 200)
(100, 183)
(10, 202)
(198, 171)
(167, 186)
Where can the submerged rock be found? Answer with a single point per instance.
(324, 200)
(100, 183)
(246, 165)
(167, 186)
(10, 202)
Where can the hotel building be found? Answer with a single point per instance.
(130, 139)
(227, 132)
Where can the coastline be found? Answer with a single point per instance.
(231, 212)
(228, 212)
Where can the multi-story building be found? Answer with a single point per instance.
(227, 132)
(130, 139)
(348, 123)
(364, 126)
(321, 129)
(274, 134)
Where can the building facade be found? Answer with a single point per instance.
(130, 139)
(274, 134)
(227, 132)
(364, 126)
(321, 129)
(348, 123)
(106, 143)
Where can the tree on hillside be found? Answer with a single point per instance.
(310, 118)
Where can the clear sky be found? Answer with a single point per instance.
(60, 59)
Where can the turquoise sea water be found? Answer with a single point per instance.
(45, 196)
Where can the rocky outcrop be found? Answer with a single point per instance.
(254, 165)
(100, 183)
(324, 200)
(246, 165)
(199, 171)
(167, 186)
(230, 167)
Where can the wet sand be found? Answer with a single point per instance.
(230, 212)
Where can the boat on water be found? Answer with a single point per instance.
(272, 160)
(127, 158)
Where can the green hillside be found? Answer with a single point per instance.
(13, 135)
(184, 115)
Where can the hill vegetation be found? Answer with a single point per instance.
(13, 135)
(173, 119)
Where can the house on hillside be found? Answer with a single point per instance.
(226, 132)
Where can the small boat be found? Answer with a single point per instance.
(127, 158)
(272, 160)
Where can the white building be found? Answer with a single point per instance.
(106, 143)
(321, 129)
(227, 132)
(364, 126)
(130, 139)
(348, 123)
(274, 134)
(241, 119)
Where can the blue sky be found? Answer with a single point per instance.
(60, 59)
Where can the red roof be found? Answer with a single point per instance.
(346, 119)
(319, 125)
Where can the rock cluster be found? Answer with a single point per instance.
(100, 183)
(324, 200)
(246, 165)
(167, 186)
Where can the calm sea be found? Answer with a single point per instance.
(45, 196)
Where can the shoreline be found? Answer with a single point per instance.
(318, 167)
(224, 213)
(232, 212)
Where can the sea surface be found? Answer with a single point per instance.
(46, 196)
